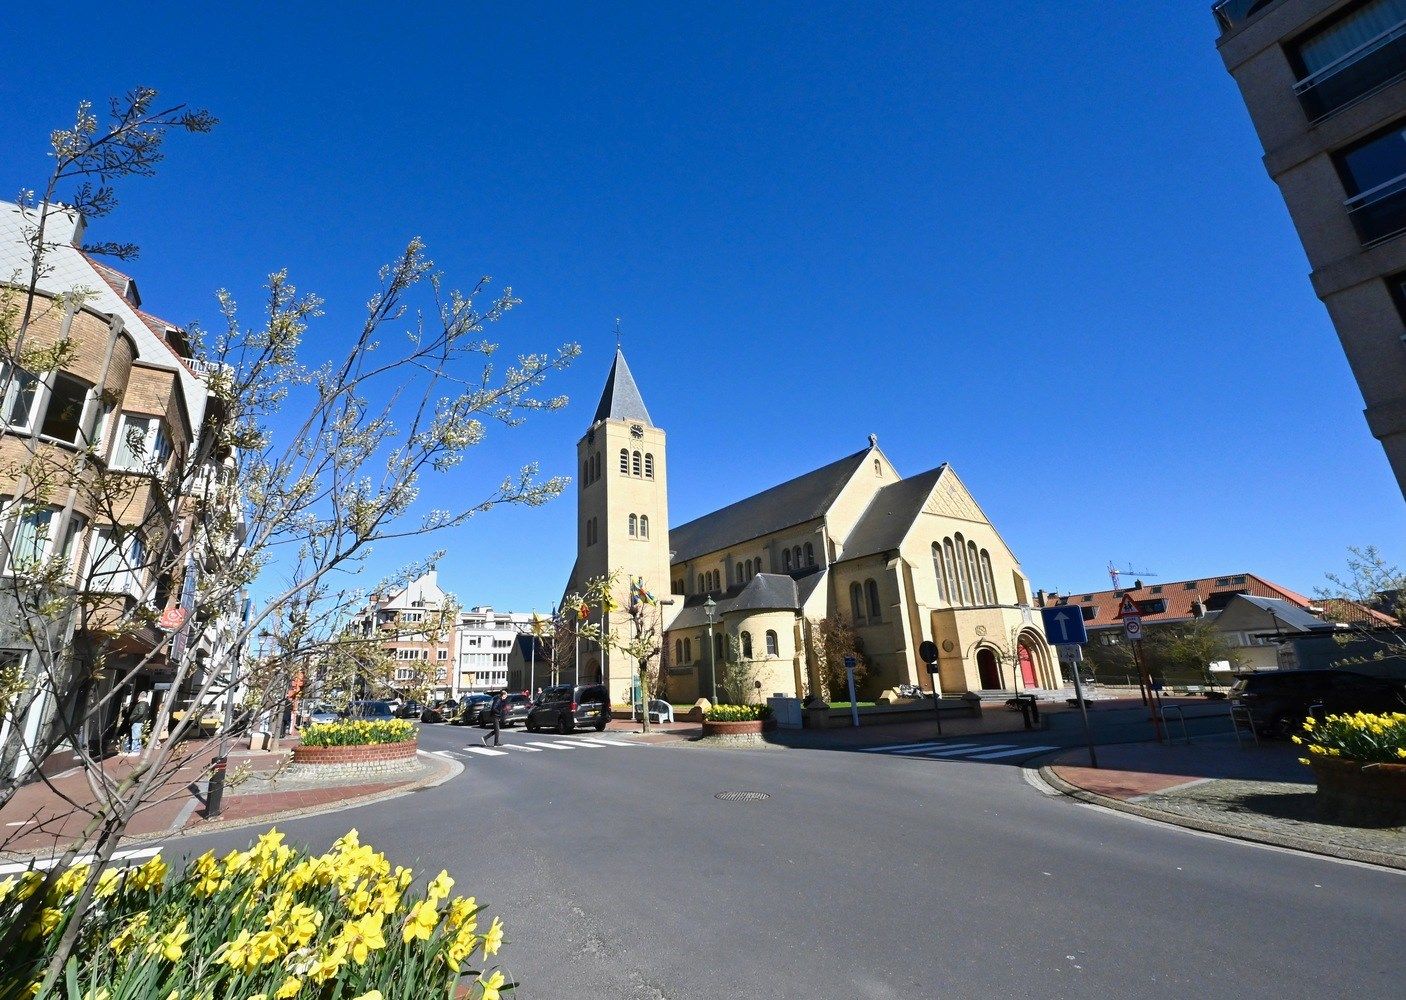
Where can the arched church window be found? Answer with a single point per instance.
(688, 651)
(772, 646)
(624, 461)
(634, 525)
(954, 583)
(649, 465)
(644, 525)
(878, 468)
(595, 466)
(746, 645)
(937, 571)
(717, 646)
(786, 560)
(871, 590)
(678, 651)
(749, 570)
(974, 567)
(856, 603)
(810, 554)
(702, 585)
(635, 464)
(987, 579)
(739, 575)
(797, 553)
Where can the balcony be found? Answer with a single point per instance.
(1380, 213)
(208, 369)
(1231, 14)
(1354, 75)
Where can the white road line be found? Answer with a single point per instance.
(963, 751)
(601, 741)
(553, 746)
(582, 744)
(519, 746)
(899, 746)
(447, 753)
(486, 751)
(937, 748)
(1009, 753)
(44, 864)
(23, 822)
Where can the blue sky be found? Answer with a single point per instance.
(1037, 245)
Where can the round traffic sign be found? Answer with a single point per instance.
(928, 651)
(1132, 627)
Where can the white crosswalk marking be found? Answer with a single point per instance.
(935, 747)
(552, 746)
(519, 746)
(601, 741)
(962, 751)
(118, 858)
(900, 746)
(486, 751)
(1009, 753)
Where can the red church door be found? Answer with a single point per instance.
(1028, 677)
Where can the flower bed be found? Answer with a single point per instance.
(271, 921)
(357, 732)
(738, 720)
(355, 748)
(1360, 763)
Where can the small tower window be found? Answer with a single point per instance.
(772, 647)
(634, 526)
(635, 464)
(797, 553)
(624, 461)
(810, 554)
(649, 465)
(644, 525)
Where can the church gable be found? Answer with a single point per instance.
(951, 499)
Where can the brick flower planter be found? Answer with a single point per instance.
(1357, 794)
(753, 727)
(354, 761)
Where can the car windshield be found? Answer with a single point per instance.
(371, 708)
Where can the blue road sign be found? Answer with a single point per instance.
(849, 662)
(1064, 625)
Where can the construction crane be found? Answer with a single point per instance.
(1114, 573)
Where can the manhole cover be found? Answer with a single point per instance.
(743, 796)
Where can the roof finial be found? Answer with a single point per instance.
(617, 333)
(873, 440)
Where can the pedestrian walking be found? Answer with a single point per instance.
(496, 712)
(137, 717)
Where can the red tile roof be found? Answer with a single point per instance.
(1177, 597)
(117, 281)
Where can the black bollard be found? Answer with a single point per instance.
(215, 790)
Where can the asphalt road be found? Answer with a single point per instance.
(620, 874)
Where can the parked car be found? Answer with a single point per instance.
(321, 713)
(469, 707)
(371, 711)
(409, 710)
(516, 711)
(1278, 701)
(440, 711)
(564, 708)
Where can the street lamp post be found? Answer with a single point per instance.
(710, 613)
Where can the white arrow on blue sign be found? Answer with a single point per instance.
(1064, 625)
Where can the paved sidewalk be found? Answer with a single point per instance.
(44, 818)
(1259, 793)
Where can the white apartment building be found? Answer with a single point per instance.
(484, 641)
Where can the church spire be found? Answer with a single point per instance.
(621, 399)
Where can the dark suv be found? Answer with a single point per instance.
(1279, 700)
(564, 708)
(514, 711)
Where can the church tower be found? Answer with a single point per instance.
(622, 510)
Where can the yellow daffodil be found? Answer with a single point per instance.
(327, 965)
(440, 886)
(369, 995)
(108, 883)
(362, 937)
(70, 881)
(493, 940)
(48, 920)
(460, 910)
(170, 945)
(129, 933)
(421, 922)
(492, 986)
(290, 988)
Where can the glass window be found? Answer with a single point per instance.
(746, 645)
(142, 444)
(856, 603)
(648, 465)
(871, 589)
(937, 571)
(688, 651)
(678, 651)
(63, 416)
(772, 646)
(634, 525)
(718, 645)
(624, 460)
(739, 577)
(1374, 175)
(1350, 56)
(115, 561)
(786, 560)
(810, 554)
(644, 525)
(635, 464)
(20, 389)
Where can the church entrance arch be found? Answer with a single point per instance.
(1029, 676)
(988, 669)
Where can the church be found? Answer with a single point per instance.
(901, 560)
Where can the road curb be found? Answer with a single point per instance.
(1055, 782)
(447, 769)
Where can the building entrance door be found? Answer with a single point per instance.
(1028, 676)
(987, 669)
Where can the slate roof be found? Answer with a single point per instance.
(793, 502)
(1291, 615)
(890, 514)
(764, 592)
(621, 399)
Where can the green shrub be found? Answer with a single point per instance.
(738, 713)
(357, 732)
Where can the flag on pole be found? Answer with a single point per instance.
(638, 593)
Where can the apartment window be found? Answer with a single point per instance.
(746, 645)
(1374, 175)
(410, 616)
(21, 389)
(1089, 613)
(1350, 56)
(442, 654)
(142, 444)
(773, 648)
(116, 562)
(63, 416)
